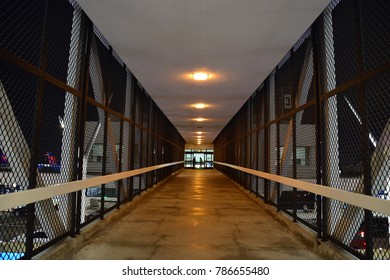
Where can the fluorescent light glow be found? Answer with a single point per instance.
(199, 119)
(200, 105)
(200, 76)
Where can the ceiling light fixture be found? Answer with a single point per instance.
(199, 119)
(200, 105)
(199, 132)
(200, 76)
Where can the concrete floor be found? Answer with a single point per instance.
(198, 214)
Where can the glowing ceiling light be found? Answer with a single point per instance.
(200, 119)
(200, 106)
(199, 132)
(200, 76)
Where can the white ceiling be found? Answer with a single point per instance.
(238, 42)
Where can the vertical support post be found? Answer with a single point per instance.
(120, 164)
(104, 163)
(37, 137)
(87, 31)
(105, 138)
(266, 140)
(257, 145)
(318, 121)
(278, 163)
(127, 128)
(148, 142)
(132, 136)
(140, 145)
(330, 144)
(294, 135)
(120, 151)
(365, 142)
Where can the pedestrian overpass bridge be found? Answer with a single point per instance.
(191, 214)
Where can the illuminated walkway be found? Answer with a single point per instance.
(197, 214)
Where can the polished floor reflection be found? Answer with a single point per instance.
(198, 214)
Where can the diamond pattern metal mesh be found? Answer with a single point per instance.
(344, 36)
(45, 50)
(261, 162)
(375, 33)
(378, 115)
(340, 67)
(60, 17)
(285, 154)
(306, 165)
(21, 28)
(112, 160)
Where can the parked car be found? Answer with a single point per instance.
(359, 241)
(304, 200)
(380, 234)
(39, 237)
(4, 189)
(20, 211)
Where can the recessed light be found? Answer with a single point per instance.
(200, 76)
(199, 119)
(200, 105)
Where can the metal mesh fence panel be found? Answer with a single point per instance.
(343, 167)
(272, 161)
(56, 159)
(126, 152)
(303, 73)
(378, 116)
(21, 26)
(144, 158)
(344, 55)
(99, 70)
(59, 44)
(92, 161)
(76, 49)
(261, 162)
(18, 97)
(16, 141)
(375, 33)
(285, 155)
(344, 36)
(53, 134)
(15, 156)
(137, 160)
(42, 124)
(306, 166)
(112, 160)
(284, 88)
(253, 162)
(117, 86)
(326, 51)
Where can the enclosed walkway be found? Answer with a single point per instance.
(197, 214)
